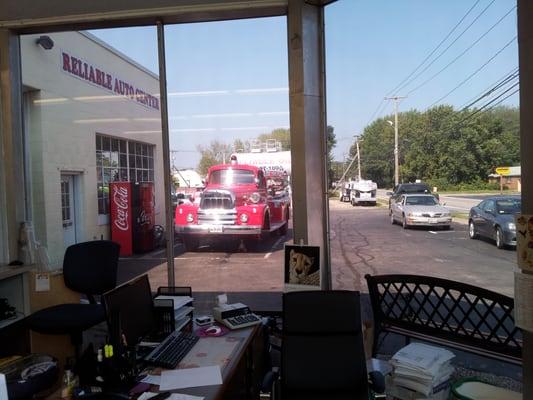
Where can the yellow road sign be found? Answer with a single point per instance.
(503, 170)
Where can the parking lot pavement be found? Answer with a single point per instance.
(364, 242)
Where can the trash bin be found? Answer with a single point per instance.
(475, 389)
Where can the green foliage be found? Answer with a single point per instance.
(281, 135)
(449, 148)
(215, 153)
(331, 142)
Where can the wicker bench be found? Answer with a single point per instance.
(447, 313)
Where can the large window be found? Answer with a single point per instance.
(121, 160)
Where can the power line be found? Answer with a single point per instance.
(462, 53)
(447, 48)
(502, 100)
(491, 90)
(505, 76)
(474, 73)
(435, 49)
(490, 102)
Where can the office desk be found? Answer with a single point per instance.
(240, 354)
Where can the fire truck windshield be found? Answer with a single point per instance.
(232, 177)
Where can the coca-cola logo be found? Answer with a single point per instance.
(120, 198)
(144, 218)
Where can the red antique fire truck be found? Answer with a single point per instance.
(239, 200)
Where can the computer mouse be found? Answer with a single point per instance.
(213, 330)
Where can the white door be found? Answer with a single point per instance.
(68, 209)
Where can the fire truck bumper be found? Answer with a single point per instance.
(219, 229)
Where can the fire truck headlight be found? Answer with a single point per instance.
(255, 197)
(190, 218)
(244, 218)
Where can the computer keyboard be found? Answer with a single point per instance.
(172, 350)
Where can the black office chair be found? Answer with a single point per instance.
(322, 355)
(89, 268)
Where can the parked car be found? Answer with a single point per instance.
(494, 218)
(405, 188)
(420, 210)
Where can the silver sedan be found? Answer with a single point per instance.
(419, 210)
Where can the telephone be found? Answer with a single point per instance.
(235, 316)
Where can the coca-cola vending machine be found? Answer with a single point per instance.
(132, 216)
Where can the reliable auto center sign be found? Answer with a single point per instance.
(80, 69)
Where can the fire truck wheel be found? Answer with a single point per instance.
(191, 243)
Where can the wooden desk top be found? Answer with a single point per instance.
(226, 351)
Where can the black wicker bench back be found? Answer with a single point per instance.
(445, 312)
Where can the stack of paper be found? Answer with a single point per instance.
(182, 308)
(422, 369)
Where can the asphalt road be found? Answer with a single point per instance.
(364, 242)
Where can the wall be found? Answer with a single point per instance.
(65, 113)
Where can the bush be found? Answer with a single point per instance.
(443, 185)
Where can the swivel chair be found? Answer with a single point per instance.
(322, 355)
(89, 268)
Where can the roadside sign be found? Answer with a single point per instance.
(503, 170)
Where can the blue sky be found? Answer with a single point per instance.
(228, 79)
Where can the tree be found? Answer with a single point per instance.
(445, 147)
(281, 135)
(331, 142)
(215, 153)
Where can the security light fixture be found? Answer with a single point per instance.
(45, 42)
(390, 122)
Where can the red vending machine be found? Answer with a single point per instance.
(120, 205)
(143, 217)
(132, 207)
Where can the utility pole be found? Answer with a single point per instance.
(358, 158)
(396, 152)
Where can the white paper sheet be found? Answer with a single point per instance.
(152, 379)
(3, 387)
(190, 377)
(173, 396)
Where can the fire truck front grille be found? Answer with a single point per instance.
(217, 200)
(217, 207)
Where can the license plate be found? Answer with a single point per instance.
(216, 229)
(365, 195)
(433, 221)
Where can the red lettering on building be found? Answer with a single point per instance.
(74, 62)
(89, 73)
(120, 198)
(66, 62)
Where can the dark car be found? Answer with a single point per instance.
(409, 188)
(494, 218)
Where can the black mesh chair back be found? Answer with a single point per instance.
(322, 354)
(91, 267)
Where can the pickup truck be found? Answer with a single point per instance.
(409, 188)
